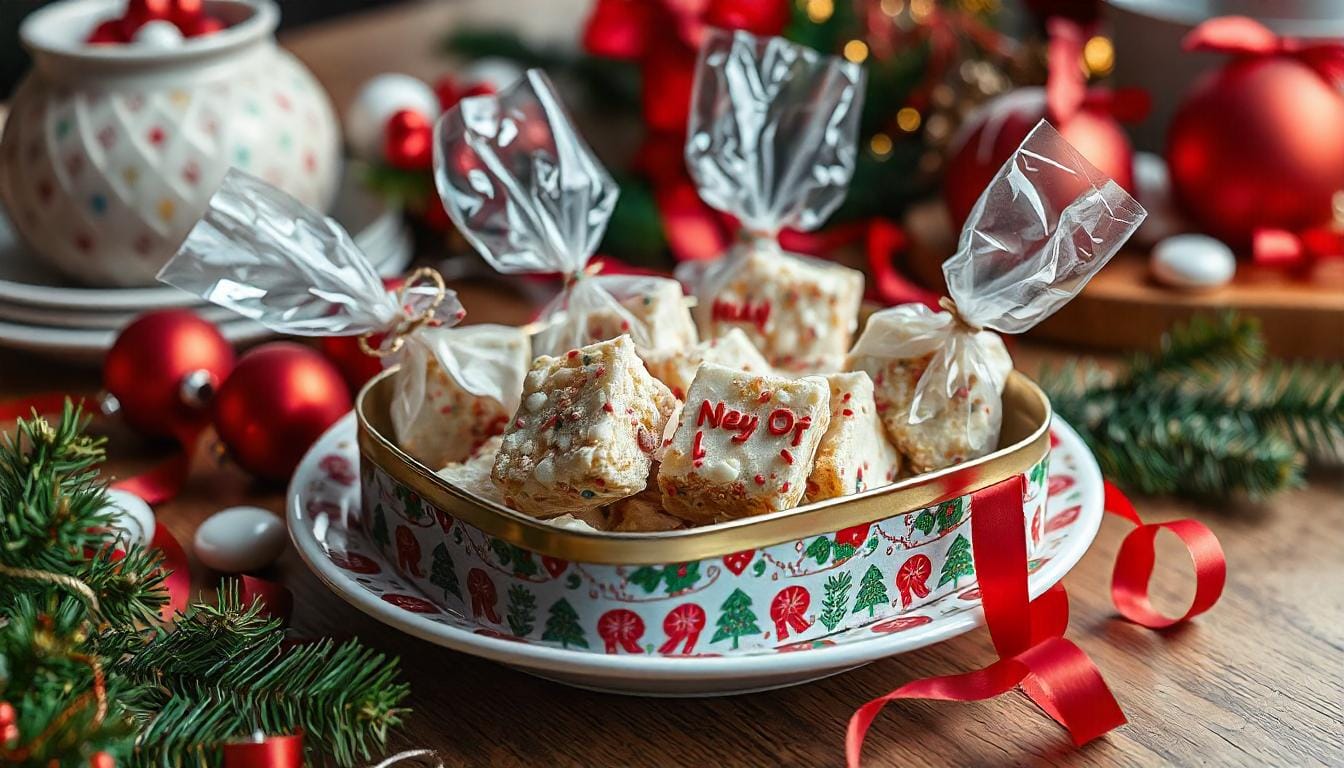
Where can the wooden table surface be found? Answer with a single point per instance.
(1255, 682)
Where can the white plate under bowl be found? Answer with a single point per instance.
(28, 283)
(323, 509)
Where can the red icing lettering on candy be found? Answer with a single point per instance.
(732, 420)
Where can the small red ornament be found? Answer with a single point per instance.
(408, 140)
(102, 760)
(355, 366)
(201, 26)
(148, 367)
(182, 12)
(279, 399)
(1256, 143)
(107, 33)
(140, 12)
(9, 725)
(1089, 119)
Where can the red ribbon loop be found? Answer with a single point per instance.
(1134, 565)
(1052, 671)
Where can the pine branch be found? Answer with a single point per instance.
(223, 673)
(1201, 417)
(52, 503)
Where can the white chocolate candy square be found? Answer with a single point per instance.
(658, 304)
(585, 433)
(854, 454)
(967, 425)
(473, 475)
(800, 313)
(453, 423)
(744, 444)
(676, 367)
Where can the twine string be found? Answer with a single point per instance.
(396, 338)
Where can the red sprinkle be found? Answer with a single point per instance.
(573, 353)
(760, 480)
(846, 397)
(788, 457)
(784, 488)
(551, 422)
(765, 396)
(607, 407)
(601, 369)
(847, 412)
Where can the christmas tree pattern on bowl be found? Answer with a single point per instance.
(684, 630)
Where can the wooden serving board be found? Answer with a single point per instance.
(1122, 308)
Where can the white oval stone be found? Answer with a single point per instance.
(159, 34)
(133, 523)
(1192, 261)
(240, 539)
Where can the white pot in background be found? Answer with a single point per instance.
(111, 152)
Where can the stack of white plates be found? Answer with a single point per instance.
(45, 312)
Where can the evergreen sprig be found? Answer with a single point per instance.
(173, 695)
(1207, 415)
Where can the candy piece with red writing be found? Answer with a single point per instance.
(676, 367)
(586, 431)
(801, 313)
(855, 454)
(473, 474)
(657, 307)
(451, 422)
(744, 444)
(962, 426)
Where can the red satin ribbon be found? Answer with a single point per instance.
(1052, 671)
(178, 582)
(271, 752)
(1134, 565)
(1295, 250)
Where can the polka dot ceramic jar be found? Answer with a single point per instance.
(111, 152)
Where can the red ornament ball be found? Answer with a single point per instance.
(102, 760)
(355, 366)
(408, 140)
(993, 132)
(1257, 143)
(147, 364)
(280, 398)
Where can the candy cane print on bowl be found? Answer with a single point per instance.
(678, 656)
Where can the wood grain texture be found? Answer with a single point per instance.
(1255, 682)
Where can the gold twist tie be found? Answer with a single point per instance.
(948, 304)
(410, 324)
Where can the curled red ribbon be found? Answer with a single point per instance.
(1052, 671)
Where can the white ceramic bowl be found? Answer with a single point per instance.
(111, 152)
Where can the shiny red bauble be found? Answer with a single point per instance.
(146, 367)
(344, 353)
(280, 398)
(408, 140)
(992, 133)
(1257, 143)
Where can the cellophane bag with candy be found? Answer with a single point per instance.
(772, 140)
(1042, 228)
(526, 191)
(266, 256)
